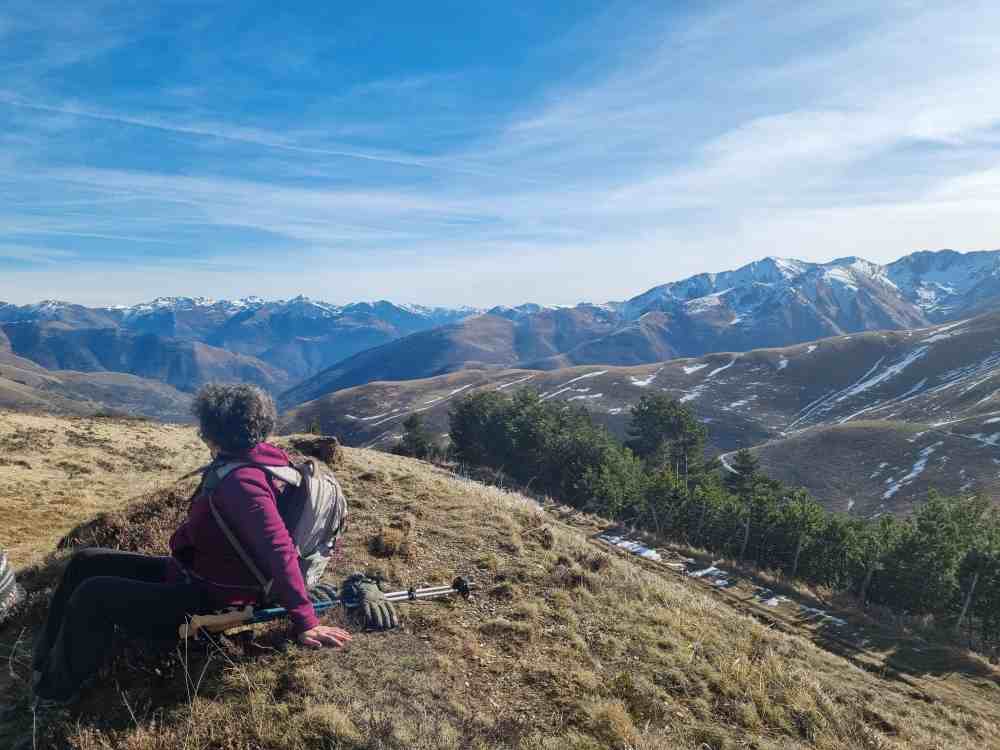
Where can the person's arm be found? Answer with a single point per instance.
(248, 504)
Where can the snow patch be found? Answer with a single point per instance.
(514, 382)
(870, 380)
(991, 440)
(717, 370)
(646, 382)
(689, 369)
(636, 548)
(583, 377)
(918, 468)
(692, 394)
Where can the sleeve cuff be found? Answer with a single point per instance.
(304, 619)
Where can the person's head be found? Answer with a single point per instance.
(232, 419)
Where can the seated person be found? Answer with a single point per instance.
(149, 596)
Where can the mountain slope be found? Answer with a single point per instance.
(941, 379)
(773, 302)
(491, 340)
(186, 341)
(563, 645)
(182, 364)
(30, 387)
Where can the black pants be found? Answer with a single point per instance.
(101, 590)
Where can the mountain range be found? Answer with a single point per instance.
(868, 422)
(768, 303)
(185, 342)
(303, 349)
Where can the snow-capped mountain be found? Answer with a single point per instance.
(322, 346)
(772, 302)
(931, 285)
(279, 341)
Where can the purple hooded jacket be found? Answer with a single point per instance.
(246, 500)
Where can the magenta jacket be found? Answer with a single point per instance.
(246, 500)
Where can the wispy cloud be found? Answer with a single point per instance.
(680, 143)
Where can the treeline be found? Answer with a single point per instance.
(943, 560)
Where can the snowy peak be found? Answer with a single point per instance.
(181, 304)
(945, 283)
(849, 293)
(517, 313)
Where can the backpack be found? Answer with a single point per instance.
(312, 505)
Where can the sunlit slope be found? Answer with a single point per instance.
(945, 377)
(562, 646)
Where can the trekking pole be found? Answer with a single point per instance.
(222, 621)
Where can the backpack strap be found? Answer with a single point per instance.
(288, 474)
(213, 478)
(265, 584)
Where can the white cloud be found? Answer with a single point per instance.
(768, 128)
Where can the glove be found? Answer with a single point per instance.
(363, 592)
(323, 592)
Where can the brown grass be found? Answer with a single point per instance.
(56, 472)
(562, 646)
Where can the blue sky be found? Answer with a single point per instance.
(482, 152)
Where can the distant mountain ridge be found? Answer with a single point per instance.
(768, 303)
(304, 348)
(185, 341)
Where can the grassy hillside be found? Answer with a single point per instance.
(868, 467)
(942, 381)
(56, 472)
(476, 342)
(26, 386)
(563, 646)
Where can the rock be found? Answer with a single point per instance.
(323, 447)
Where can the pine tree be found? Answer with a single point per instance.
(664, 433)
(743, 482)
(416, 440)
(803, 518)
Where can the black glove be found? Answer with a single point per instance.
(363, 592)
(323, 592)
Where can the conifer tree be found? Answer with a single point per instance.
(663, 432)
(803, 518)
(743, 482)
(417, 440)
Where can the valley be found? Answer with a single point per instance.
(866, 422)
(867, 384)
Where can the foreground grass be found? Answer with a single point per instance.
(56, 472)
(563, 646)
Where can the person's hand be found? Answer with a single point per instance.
(324, 635)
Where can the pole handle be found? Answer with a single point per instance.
(215, 623)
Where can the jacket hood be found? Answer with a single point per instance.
(264, 454)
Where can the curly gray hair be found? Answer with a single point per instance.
(234, 417)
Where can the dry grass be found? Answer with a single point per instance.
(562, 646)
(56, 472)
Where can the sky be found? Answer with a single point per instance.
(483, 153)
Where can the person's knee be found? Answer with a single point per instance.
(91, 595)
(81, 558)
(83, 562)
